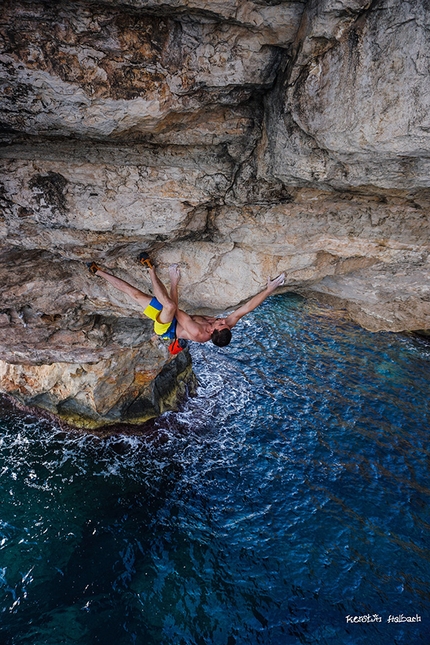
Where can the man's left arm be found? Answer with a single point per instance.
(256, 300)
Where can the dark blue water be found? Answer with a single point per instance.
(290, 494)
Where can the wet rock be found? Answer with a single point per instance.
(106, 392)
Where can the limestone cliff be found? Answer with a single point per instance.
(238, 138)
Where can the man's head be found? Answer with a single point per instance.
(221, 337)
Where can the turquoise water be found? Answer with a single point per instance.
(290, 494)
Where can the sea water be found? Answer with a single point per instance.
(287, 503)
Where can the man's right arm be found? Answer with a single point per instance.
(256, 300)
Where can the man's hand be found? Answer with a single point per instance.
(277, 282)
(174, 274)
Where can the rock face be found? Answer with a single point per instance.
(90, 364)
(238, 138)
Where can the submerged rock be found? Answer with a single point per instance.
(238, 138)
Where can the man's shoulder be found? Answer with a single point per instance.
(203, 336)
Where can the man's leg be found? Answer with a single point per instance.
(142, 298)
(160, 292)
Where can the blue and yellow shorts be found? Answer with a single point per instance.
(165, 330)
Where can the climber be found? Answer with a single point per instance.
(172, 323)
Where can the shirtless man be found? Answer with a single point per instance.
(170, 322)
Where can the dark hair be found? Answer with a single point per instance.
(221, 337)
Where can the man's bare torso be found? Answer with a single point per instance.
(202, 334)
